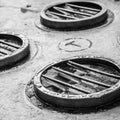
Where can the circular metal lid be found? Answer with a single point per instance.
(73, 15)
(78, 82)
(12, 48)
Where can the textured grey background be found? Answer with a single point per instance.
(44, 49)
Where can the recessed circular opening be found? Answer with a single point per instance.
(12, 49)
(73, 15)
(80, 82)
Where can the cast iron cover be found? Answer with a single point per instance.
(12, 49)
(78, 82)
(73, 14)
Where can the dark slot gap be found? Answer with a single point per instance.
(89, 7)
(92, 69)
(81, 77)
(79, 83)
(6, 47)
(72, 12)
(61, 15)
(66, 84)
(4, 53)
(52, 85)
(7, 42)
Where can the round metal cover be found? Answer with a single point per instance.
(12, 49)
(73, 15)
(79, 82)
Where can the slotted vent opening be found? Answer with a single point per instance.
(78, 76)
(73, 11)
(76, 80)
(73, 15)
(12, 49)
(9, 44)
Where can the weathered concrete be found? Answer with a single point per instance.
(44, 49)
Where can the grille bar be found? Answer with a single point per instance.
(61, 15)
(3, 53)
(10, 44)
(80, 77)
(4, 50)
(69, 78)
(66, 84)
(85, 8)
(64, 12)
(6, 47)
(73, 12)
(51, 84)
(73, 64)
(50, 14)
(82, 10)
(83, 84)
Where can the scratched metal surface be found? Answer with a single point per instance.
(48, 46)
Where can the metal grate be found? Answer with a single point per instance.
(79, 76)
(72, 11)
(12, 48)
(8, 46)
(73, 15)
(76, 78)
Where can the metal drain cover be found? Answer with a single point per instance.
(73, 15)
(12, 49)
(78, 82)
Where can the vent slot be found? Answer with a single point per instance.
(7, 48)
(77, 75)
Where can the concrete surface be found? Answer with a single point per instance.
(44, 50)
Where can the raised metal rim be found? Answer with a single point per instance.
(88, 100)
(108, 21)
(54, 23)
(18, 54)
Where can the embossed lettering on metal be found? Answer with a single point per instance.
(78, 82)
(75, 44)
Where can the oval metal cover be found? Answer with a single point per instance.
(78, 82)
(12, 49)
(73, 15)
